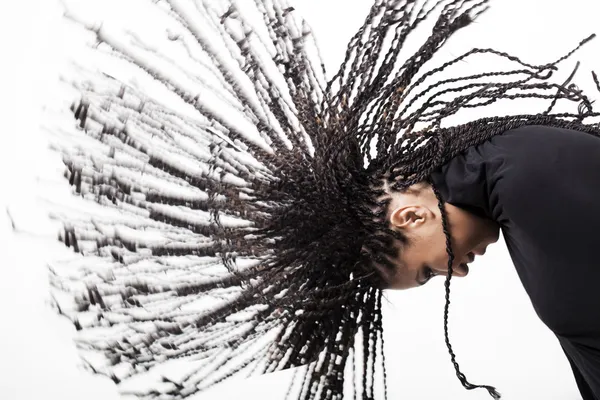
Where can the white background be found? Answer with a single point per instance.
(495, 332)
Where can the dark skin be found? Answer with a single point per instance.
(416, 214)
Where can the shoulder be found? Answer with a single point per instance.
(543, 169)
(516, 170)
(532, 140)
(538, 152)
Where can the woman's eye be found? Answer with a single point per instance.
(426, 274)
(429, 273)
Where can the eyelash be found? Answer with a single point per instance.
(428, 274)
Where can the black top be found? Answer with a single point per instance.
(542, 185)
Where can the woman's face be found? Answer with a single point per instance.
(418, 217)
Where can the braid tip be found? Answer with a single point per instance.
(494, 393)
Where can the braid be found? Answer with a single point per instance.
(460, 375)
(237, 219)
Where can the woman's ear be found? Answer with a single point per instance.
(408, 217)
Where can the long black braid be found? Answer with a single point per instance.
(240, 225)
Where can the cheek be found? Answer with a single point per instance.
(442, 255)
(436, 251)
(461, 245)
(463, 240)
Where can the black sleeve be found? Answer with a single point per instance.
(582, 385)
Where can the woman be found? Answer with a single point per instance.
(251, 211)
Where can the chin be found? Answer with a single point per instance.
(496, 236)
(495, 233)
(493, 237)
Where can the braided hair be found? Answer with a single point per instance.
(235, 221)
